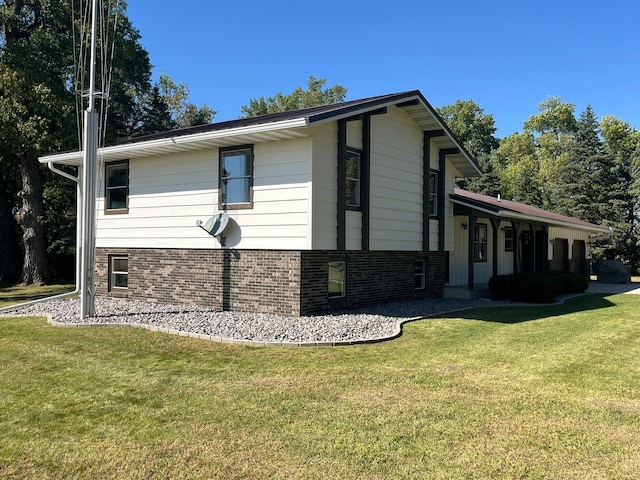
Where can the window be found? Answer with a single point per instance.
(508, 239)
(480, 243)
(337, 272)
(353, 179)
(419, 274)
(236, 177)
(118, 272)
(433, 194)
(116, 187)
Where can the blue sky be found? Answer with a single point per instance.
(507, 56)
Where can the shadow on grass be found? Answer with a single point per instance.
(525, 313)
(10, 295)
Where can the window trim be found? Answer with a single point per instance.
(222, 205)
(478, 244)
(357, 180)
(433, 193)
(112, 272)
(422, 274)
(343, 292)
(107, 209)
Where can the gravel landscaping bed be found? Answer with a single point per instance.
(354, 326)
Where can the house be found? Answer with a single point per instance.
(498, 236)
(301, 212)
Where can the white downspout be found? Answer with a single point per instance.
(78, 241)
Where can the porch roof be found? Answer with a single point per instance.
(510, 210)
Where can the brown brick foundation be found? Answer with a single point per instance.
(281, 282)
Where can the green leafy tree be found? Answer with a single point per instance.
(519, 168)
(299, 98)
(476, 130)
(38, 114)
(554, 126)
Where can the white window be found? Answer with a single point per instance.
(353, 179)
(116, 187)
(236, 177)
(337, 271)
(118, 272)
(420, 272)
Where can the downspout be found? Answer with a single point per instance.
(78, 244)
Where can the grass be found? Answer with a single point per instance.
(10, 295)
(535, 392)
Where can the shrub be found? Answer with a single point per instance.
(536, 287)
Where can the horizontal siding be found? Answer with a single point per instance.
(168, 194)
(396, 182)
(325, 187)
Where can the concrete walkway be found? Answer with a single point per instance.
(613, 288)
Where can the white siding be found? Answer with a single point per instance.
(325, 187)
(353, 222)
(569, 235)
(168, 193)
(396, 182)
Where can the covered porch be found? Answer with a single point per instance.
(493, 237)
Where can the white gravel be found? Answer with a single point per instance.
(373, 323)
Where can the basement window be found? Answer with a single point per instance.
(419, 275)
(337, 272)
(118, 272)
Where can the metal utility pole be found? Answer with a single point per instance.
(89, 167)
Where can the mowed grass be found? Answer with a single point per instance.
(535, 392)
(11, 295)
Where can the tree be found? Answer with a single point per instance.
(182, 112)
(34, 111)
(299, 98)
(622, 142)
(37, 113)
(554, 126)
(476, 130)
(519, 168)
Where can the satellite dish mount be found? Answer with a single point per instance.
(215, 225)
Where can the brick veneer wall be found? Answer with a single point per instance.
(281, 282)
(245, 280)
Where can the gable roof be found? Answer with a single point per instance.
(508, 209)
(281, 126)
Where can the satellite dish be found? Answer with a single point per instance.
(215, 225)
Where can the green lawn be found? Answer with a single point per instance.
(536, 392)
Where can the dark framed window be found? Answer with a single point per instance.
(118, 272)
(508, 239)
(433, 193)
(236, 177)
(353, 161)
(337, 279)
(420, 274)
(116, 188)
(480, 243)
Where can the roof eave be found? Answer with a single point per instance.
(286, 129)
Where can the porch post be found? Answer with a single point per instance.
(470, 269)
(494, 224)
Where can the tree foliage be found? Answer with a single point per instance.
(41, 81)
(299, 98)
